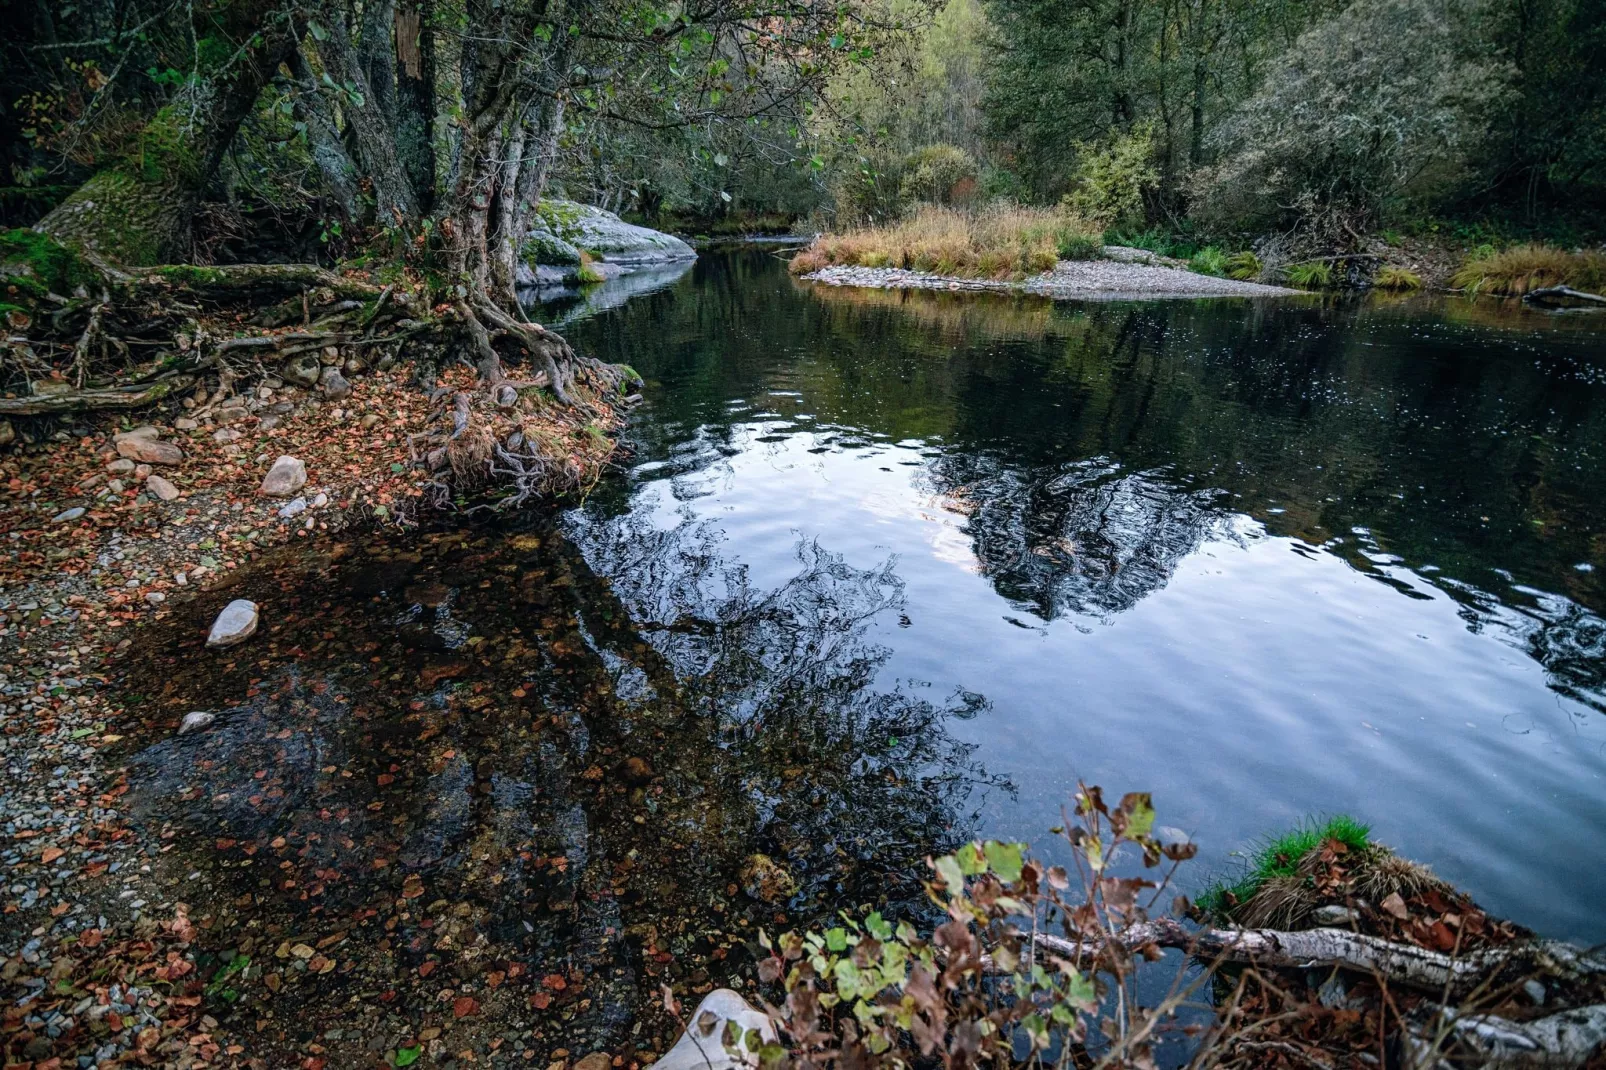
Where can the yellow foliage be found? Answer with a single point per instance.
(1524, 268)
(998, 242)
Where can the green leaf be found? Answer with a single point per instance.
(971, 859)
(948, 869)
(879, 927)
(1005, 859)
(1139, 810)
(408, 1056)
(836, 939)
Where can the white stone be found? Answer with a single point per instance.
(196, 720)
(236, 624)
(287, 476)
(702, 1045)
(161, 488)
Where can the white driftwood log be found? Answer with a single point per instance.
(1560, 1041)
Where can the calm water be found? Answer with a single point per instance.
(1265, 560)
(884, 572)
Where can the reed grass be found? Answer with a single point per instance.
(1524, 268)
(998, 242)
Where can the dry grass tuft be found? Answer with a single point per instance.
(999, 242)
(1523, 268)
(1385, 873)
(1279, 903)
(469, 454)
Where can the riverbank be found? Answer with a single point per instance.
(110, 532)
(1086, 279)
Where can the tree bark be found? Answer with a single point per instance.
(415, 98)
(140, 209)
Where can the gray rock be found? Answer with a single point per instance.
(335, 385)
(142, 431)
(194, 721)
(155, 598)
(122, 466)
(232, 414)
(304, 370)
(292, 508)
(236, 624)
(184, 423)
(268, 423)
(1332, 914)
(226, 434)
(161, 488)
(563, 228)
(67, 515)
(287, 476)
(149, 450)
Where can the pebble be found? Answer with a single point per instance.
(291, 508)
(161, 488)
(122, 466)
(287, 476)
(226, 434)
(196, 720)
(68, 514)
(236, 624)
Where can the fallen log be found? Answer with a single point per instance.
(1551, 296)
(1402, 964)
(1560, 1041)
(86, 400)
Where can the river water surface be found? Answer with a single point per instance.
(1265, 560)
(887, 571)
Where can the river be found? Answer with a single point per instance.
(882, 572)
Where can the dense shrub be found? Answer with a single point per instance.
(1112, 178)
(1380, 107)
(938, 174)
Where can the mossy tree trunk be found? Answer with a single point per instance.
(140, 209)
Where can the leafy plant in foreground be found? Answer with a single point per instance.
(996, 977)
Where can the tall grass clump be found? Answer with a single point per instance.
(1311, 275)
(1281, 856)
(1524, 268)
(1391, 277)
(1244, 266)
(998, 242)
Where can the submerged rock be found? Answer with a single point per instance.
(767, 880)
(194, 721)
(236, 624)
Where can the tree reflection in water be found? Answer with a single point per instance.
(474, 751)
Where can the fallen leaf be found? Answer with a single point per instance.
(1396, 906)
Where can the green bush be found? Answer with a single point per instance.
(1112, 178)
(938, 174)
(1079, 244)
(1209, 261)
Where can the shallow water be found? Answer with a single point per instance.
(1264, 559)
(887, 571)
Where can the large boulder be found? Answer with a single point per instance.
(564, 225)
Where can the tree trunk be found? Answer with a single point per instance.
(370, 127)
(140, 209)
(323, 138)
(415, 98)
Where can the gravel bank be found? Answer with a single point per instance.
(1084, 279)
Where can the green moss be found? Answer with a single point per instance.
(1281, 856)
(36, 264)
(192, 275)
